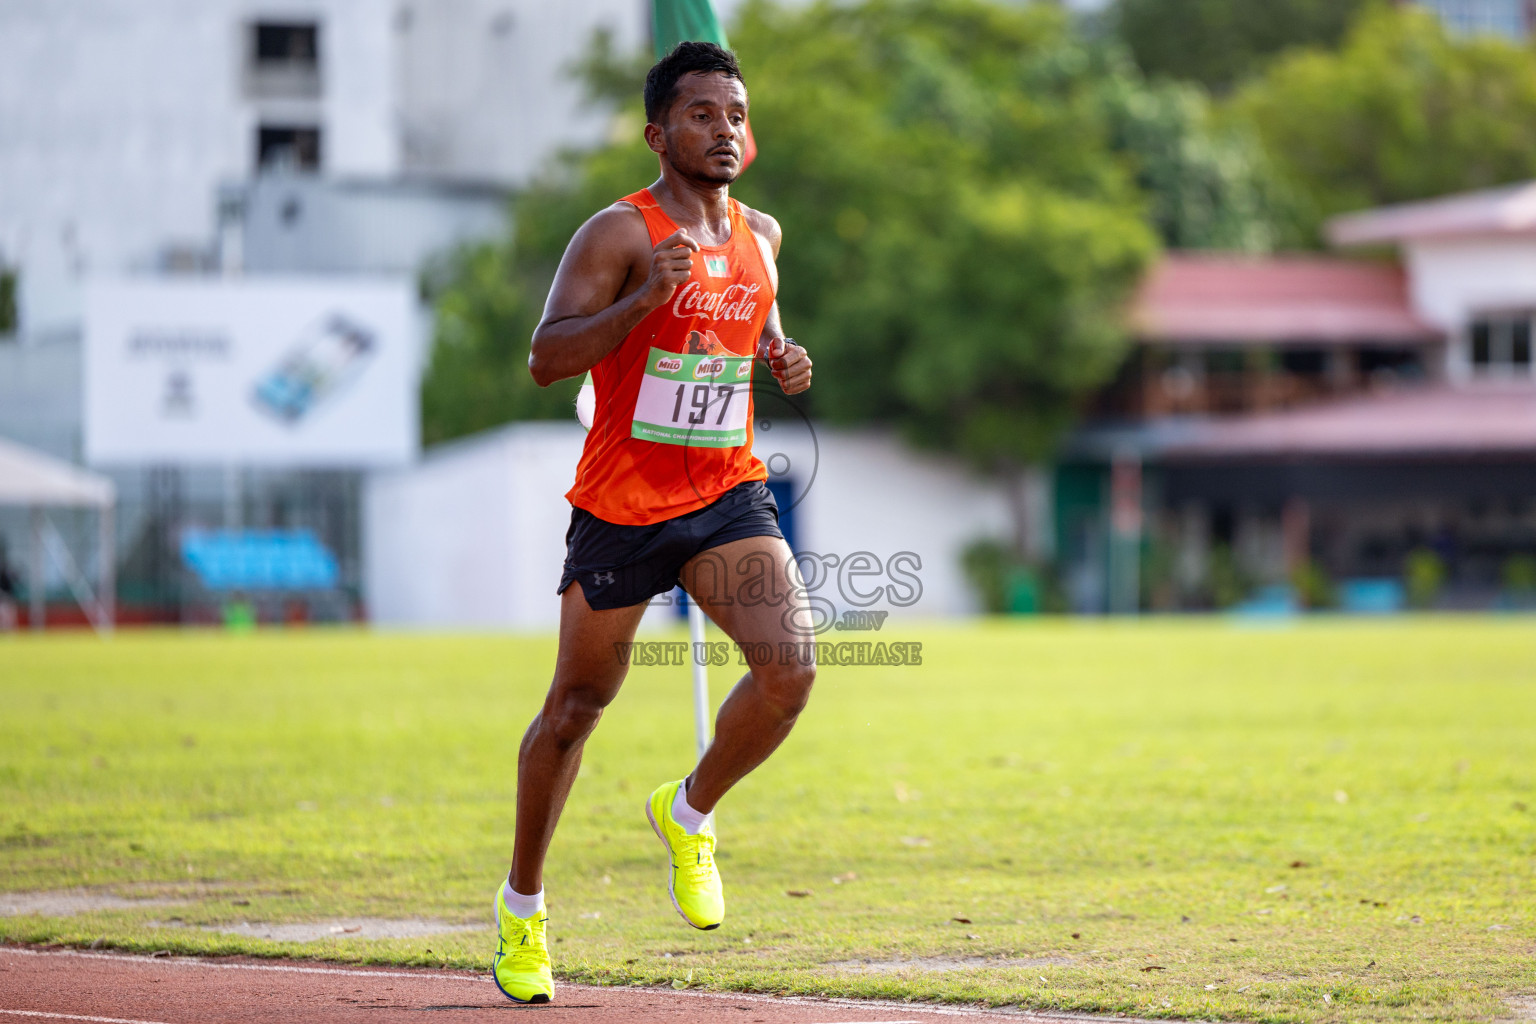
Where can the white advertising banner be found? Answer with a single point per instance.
(252, 371)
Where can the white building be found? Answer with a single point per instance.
(264, 137)
(474, 536)
(1471, 263)
(1310, 412)
(120, 119)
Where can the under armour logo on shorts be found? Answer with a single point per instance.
(602, 577)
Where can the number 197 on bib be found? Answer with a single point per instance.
(696, 400)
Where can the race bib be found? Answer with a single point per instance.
(701, 401)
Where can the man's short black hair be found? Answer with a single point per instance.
(686, 58)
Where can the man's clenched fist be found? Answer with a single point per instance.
(790, 365)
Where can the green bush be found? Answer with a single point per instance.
(1423, 576)
(1313, 587)
(1519, 573)
(986, 564)
(1007, 584)
(1228, 582)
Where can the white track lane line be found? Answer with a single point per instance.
(76, 1016)
(746, 997)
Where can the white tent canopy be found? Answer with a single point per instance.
(31, 478)
(37, 481)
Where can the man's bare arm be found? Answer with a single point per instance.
(588, 313)
(790, 365)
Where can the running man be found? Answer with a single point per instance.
(665, 296)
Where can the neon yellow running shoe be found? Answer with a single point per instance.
(692, 879)
(521, 964)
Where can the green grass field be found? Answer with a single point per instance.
(1323, 821)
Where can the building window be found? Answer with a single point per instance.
(283, 60)
(1501, 344)
(1508, 18)
(288, 147)
(1304, 362)
(291, 44)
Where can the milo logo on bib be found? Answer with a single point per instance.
(698, 400)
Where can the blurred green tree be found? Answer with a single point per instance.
(959, 232)
(1208, 182)
(1219, 43)
(478, 374)
(1402, 112)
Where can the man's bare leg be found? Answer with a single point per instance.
(588, 674)
(745, 586)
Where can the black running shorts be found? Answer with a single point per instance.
(619, 566)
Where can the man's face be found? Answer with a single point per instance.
(704, 131)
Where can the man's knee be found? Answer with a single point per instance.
(573, 714)
(786, 688)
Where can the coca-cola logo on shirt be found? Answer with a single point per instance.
(736, 302)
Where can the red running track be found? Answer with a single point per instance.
(47, 985)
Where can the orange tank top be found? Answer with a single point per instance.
(672, 428)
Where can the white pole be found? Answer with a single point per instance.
(700, 676)
(106, 594)
(35, 586)
(79, 586)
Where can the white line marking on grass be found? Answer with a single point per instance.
(76, 1016)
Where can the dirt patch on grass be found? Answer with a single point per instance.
(340, 928)
(69, 902)
(1521, 1008)
(927, 964)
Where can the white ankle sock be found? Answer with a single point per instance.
(520, 905)
(691, 820)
